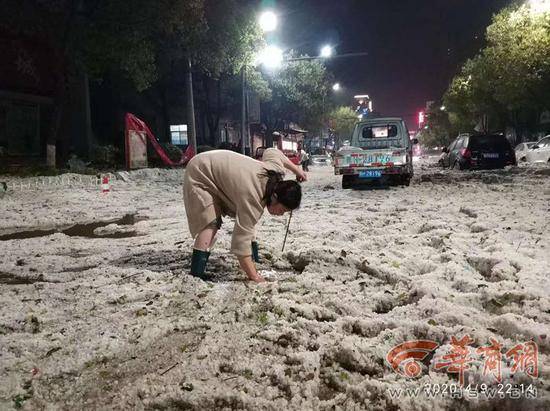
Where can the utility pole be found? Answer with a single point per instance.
(190, 108)
(244, 130)
(87, 116)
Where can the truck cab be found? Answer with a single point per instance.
(380, 150)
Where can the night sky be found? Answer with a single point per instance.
(415, 47)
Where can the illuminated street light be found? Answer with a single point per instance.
(271, 57)
(443, 108)
(540, 6)
(268, 21)
(336, 87)
(326, 51)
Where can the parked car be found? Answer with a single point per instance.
(481, 151)
(540, 152)
(380, 150)
(319, 156)
(320, 160)
(522, 149)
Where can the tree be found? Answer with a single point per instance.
(342, 121)
(141, 40)
(437, 130)
(224, 48)
(105, 36)
(219, 44)
(298, 94)
(509, 80)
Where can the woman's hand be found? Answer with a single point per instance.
(247, 265)
(301, 176)
(257, 278)
(297, 170)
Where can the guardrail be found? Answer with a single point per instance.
(46, 182)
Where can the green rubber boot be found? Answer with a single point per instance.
(198, 263)
(255, 252)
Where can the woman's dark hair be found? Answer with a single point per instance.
(287, 192)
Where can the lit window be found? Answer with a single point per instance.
(287, 145)
(178, 135)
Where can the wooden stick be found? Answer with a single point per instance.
(173, 366)
(286, 234)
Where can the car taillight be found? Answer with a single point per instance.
(466, 153)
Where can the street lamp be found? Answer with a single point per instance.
(443, 108)
(326, 51)
(268, 21)
(271, 57)
(336, 87)
(539, 6)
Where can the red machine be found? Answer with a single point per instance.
(293, 156)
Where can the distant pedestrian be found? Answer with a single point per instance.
(222, 182)
(304, 159)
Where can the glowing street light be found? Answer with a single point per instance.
(540, 6)
(443, 108)
(326, 51)
(268, 21)
(271, 57)
(336, 87)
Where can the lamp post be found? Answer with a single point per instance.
(190, 108)
(337, 56)
(539, 6)
(272, 58)
(244, 129)
(326, 51)
(268, 22)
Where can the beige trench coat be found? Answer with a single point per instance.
(221, 182)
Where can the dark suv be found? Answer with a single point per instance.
(481, 152)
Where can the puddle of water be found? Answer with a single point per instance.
(79, 230)
(79, 269)
(27, 234)
(12, 279)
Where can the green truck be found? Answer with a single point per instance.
(380, 151)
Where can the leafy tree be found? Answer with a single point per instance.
(509, 80)
(227, 45)
(438, 130)
(298, 94)
(519, 50)
(142, 40)
(219, 44)
(342, 121)
(105, 36)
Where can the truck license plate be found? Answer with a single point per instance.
(370, 174)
